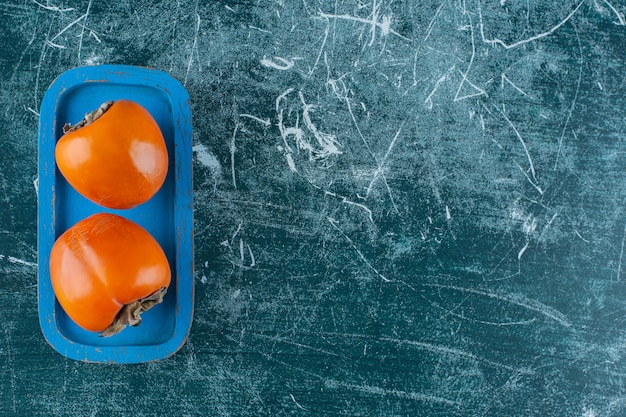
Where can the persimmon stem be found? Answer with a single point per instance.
(89, 117)
(130, 314)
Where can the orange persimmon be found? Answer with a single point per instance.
(106, 270)
(115, 157)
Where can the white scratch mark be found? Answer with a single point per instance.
(533, 177)
(384, 24)
(582, 238)
(515, 299)
(321, 50)
(36, 185)
(479, 91)
(55, 45)
(373, 390)
(233, 149)
(33, 111)
(340, 90)
(194, 48)
(530, 180)
(429, 30)
(298, 135)
(344, 200)
(264, 122)
(454, 352)
(521, 252)
(18, 261)
(383, 162)
(296, 403)
(290, 162)
(292, 343)
(552, 219)
(42, 57)
(493, 323)
(448, 214)
(620, 17)
(259, 29)
(252, 260)
(571, 109)
(286, 132)
(93, 34)
(236, 232)
(444, 77)
(333, 223)
(328, 143)
(621, 256)
(505, 78)
(554, 216)
(345, 98)
(82, 32)
(278, 63)
(524, 41)
(241, 254)
(375, 8)
(28, 45)
(53, 8)
(68, 26)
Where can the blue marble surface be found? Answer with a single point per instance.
(401, 208)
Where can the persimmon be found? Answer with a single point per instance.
(106, 270)
(116, 156)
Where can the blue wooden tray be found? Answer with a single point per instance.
(168, 216)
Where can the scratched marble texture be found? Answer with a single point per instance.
(401, 208)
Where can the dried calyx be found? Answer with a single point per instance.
(130, 314)
(89, 117)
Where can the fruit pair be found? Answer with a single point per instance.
(106, 270)
(115, 157)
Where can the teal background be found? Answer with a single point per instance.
(401, 208)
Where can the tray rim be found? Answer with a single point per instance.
(183, 212)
